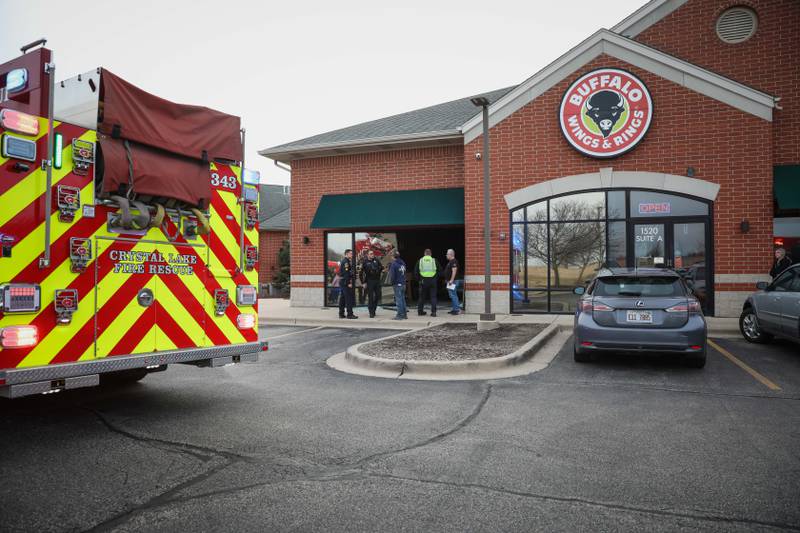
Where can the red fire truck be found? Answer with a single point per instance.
(127, 231)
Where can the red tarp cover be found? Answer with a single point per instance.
(155, 173)
(181, 129)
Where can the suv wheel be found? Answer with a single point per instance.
(750, 328)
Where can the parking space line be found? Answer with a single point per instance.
(293, 333)
(741, 364)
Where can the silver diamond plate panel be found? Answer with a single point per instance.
(125, 362)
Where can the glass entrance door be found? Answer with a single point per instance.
(649, 245)
(690, 257)
(682, 246)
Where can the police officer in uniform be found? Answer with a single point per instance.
(427, 272)
(347, 296)
(371, 270)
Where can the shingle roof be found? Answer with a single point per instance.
(280, 222)
(274, 207)
(444, 118)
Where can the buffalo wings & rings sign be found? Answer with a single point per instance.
(606, 112)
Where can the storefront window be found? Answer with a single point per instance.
(382, 245)
(585, 206)
(617, 249)
(537, 254)
(577, 250)
(655, 204)
(562, 242)
(337, 243)
(537, 212)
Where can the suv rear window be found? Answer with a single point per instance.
(637, 286)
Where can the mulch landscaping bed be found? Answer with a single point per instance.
(454, 342)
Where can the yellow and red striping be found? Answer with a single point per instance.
(183, 315)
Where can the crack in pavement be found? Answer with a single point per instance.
(203, 453)
(605, 505)
(439, 436)
(337, 472)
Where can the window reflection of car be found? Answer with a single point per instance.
(695, 278)
(773, 311)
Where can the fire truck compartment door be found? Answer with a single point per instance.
(151, 298)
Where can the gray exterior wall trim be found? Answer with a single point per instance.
(608, 179)
(646, 16)
(676, 70)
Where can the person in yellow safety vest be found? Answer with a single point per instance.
(427, 272)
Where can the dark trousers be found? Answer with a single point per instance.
(346, 300)
(427, 288)
(373, 294)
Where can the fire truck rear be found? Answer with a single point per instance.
(127, 230)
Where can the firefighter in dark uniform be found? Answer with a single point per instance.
(371, 270)
(347, 296)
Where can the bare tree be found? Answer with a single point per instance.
(577, 244)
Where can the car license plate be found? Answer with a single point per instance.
(640, 317)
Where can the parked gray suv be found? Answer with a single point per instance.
(639, 310)
(773, 311)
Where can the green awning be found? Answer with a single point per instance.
(427, 207)
(787, 186)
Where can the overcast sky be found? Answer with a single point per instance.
(295, 69)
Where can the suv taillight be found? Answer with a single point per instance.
(692, 306)
(588, 306)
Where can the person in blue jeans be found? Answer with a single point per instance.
(397, 279)
(452, 284)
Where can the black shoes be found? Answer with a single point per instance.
(372, 315)
(433, 314)
(454, 312)
(352, 317)
(422, 313)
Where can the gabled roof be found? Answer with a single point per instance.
(635, 53)
(273, 208)
(646, 16)
(440, 122)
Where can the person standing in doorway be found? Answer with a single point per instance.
(397, 279)
(427, 272)
(451, 270)
(371, 270)
(782, 262)
(347, 285)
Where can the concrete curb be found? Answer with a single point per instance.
(410, 368)
(411, 324)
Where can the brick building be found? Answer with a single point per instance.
(273, 228)
(671, 140)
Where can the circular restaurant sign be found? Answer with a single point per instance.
(606, 112)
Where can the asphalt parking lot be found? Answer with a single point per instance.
(290, 444)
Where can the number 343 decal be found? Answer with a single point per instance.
(224, 182)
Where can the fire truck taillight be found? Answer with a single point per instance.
(19, 122)
(20, 298)
(19, 336)
(246, 321)
(246, 295)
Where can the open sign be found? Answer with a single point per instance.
(655, 208)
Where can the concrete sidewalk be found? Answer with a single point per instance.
(278, 312)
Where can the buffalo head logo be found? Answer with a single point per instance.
(604, 108)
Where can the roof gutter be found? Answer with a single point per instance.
(288, 152)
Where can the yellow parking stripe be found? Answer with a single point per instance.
(741, 364)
